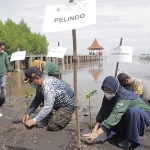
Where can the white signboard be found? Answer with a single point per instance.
(58, 52)
(121, 54)
(20, 55)
(70, 16)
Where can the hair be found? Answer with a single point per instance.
(40, 74)
(2, 43)
(122, 77)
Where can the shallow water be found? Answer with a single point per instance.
(90, 77)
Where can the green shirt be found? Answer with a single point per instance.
(4, 63)
(50, 68)
(119, 110)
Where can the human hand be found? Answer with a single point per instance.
(91, 136)
(29, 123)
(25, 118)
(8, 74)
(94, 130)
(96, 126)
(136, 85)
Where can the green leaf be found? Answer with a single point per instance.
(87, 96)
(26, 92)
(86, 92)
(31, 94)
(94, 92)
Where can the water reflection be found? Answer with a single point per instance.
(144, 61)
(96, 69)
(18, 87)
(90, 77)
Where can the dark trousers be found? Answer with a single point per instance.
(133, 125)
(2, 99)
(57, 120)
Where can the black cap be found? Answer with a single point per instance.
(31, 73)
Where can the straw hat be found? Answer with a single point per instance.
(38, 64)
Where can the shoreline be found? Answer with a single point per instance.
(15, 136)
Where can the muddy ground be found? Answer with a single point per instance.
(15, 136)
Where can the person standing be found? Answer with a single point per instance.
(4, 68)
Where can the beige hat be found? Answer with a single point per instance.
(38, 64)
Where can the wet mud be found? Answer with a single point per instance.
(15, 136)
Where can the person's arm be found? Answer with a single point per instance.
(137, 89)
(7, 63)
(34, 105)
(96, 126)
(118, 111)
(48, 106)
(99, 117)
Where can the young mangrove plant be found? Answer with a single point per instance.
(88, 96)
(28, 97)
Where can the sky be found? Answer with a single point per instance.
(115, 19)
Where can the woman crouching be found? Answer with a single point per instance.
(122, 112)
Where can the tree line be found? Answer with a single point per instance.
(20, 36)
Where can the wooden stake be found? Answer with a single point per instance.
(59, 63)
(75, 84)
(24, 85)
(118, 62)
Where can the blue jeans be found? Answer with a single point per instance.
(3, 84)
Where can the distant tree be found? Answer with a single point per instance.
(20, 36)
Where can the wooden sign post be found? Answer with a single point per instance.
(118, 62)
(75, 62)
(59, 64)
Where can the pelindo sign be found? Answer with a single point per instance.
(70, 16)
(121, 54)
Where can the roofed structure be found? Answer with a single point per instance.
(95, 46)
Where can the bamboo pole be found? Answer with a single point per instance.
(59, 64)
(75, 84)
(118, 62)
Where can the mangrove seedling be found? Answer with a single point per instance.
(10, 83)
(88, 96)
(28, 97)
